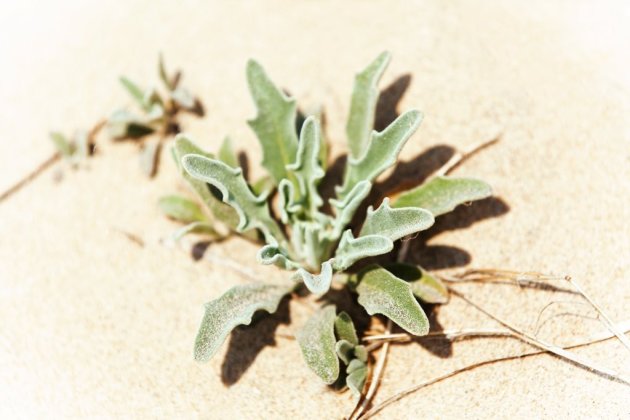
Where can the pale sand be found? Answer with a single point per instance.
(95, 326)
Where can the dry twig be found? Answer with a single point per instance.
(625, 326)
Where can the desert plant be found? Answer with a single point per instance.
(157, 112)
(316, 247)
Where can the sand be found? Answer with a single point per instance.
(96, 326)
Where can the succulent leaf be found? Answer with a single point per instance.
(226, 153)
(195, 227)
(317, 283)
(363, 105)
(274, 124)
(345, 350)
(253, 211)
(235, 307)
(181, 209)
(272, 254)
(357, 373)
(317, 341)
(442, 194)
(381, 151)
(395, 223)
(135, 91)
(346, 208)
(380, 292)
(351, 249)
(344, 328)
(221, 211)
(307, 168)
(424, 286)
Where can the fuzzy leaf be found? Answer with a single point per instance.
(135, 91)
(442, 194)
(253, 211)
(181, 209)
(363, 105)
(226, 153)
(309, 242)
(220, 210)
(346, 208)
(344, 328)
(361, 353)
(195, 227)
(235, 307)
(123, 124)
(395, 223)
(317, 284)
(306, 167)
(274, 124)
(345, 350)
(317, 341)
(380, 292)
(272, 254)
(62, 144)
(350, 250)
(263, 186)
(288, 206)
(424, 286)
(169, 83)
(150, 156)
(381, 152)
(357, 373)
(183, 98)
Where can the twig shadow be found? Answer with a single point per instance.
(246, 342)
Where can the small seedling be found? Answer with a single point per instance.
(314, 247)
(157, 112)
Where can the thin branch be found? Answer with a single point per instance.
(451, 335)
(31, 176)
(48, 162)
(364, 402)
(624, 340)
(459, 157)
(397, 397)
(558, 351)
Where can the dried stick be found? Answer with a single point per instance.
(459, 157)
(451, 335)
(558, 351)
(366, 400)
(625, 326)
(31, 176)
(624, 340)
(44, 165)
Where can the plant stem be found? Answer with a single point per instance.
(376, 376)
(558, 351)
(397, 397)
(459, 157)
(31, 176)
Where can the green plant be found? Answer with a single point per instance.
(313, 246)
(157, 112)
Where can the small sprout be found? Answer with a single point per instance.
(157, 112)
(75, 149)
(316, 246)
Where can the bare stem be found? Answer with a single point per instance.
(31, 176)
(400, 395)
(622, 337)
(459, 157)
(364, 402)
(558, 351)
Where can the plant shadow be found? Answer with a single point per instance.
(247, 341)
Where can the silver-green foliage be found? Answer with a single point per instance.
(313, 244)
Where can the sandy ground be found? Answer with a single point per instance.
(94, 325)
